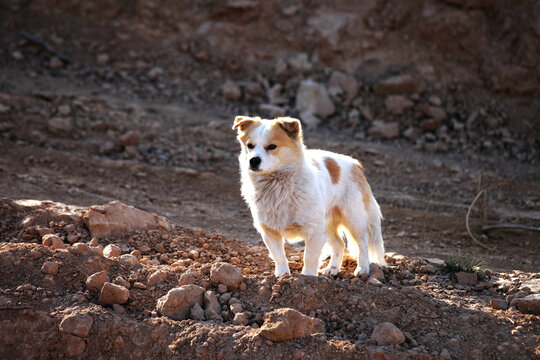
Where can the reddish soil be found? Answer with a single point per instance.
(147, 124)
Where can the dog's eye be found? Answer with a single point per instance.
(271, 147)
(250, 146)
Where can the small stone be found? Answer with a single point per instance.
(399, 84)
(119, 280)
(177, 303)
(194, 254)
(64, 110)
(77, 324)
(60, 125)
(157, 277)
(102, 59)
(300, 63)
(222, 288)
(241, 319)
(225, 273)
(411, 133)
(436, 262)
(50, 267)
(465, 278)
(113, 294)
(74, 346)
(374, 282)
(212, 308)
(119, 308)
(382, 130)
(154, 73)
(236, 308)
(397, 104)
(343, 83)
(375, 272)
(529, 304)
(231, 91)
(95, 281)
(431, 124)
(52, 241)
(112, 251)
(445, 354)
(286, 324)
(55, 63)
(197, 313)
(130, 138)
(387, 334)
(17, 55)
(434, 112)
(312, 97)
(498, 304)
(428, 269)
(128, 260)
(435, 100)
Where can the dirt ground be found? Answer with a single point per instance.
(129, 104)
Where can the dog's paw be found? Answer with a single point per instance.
(361, 272)
(282, 271)
(330, 271)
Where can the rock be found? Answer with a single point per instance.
(113, 294)
(77, 324)
(274, 95)
(411, 133)
(116, 218)
(157, 277)
(122, 282)
(434, 112)
(529, 304)
(95, 281)
(74, 346)
(435, 100)
(382, 130)
(375, 272)
(286, 324)
(50, 267)
(128, 260)
(428, 269)
(532, 284)
(81, 249)
(212, 308)
(55, 63)
(178, 302)
(17, 55)
(354, 117)
(52, 241)
(131, 138)
(436, 262)
(374, 282)
(60, 125)
(231, 91)
(399, 84)
(236, 308)
(64, 110)
(273, 111)
(112, 251)
(312, 97)
(343, 83)
(241, 318)
(445, 354)
(154, 73)
(300, 63)
(197, 313)
(309, 120)
(102, 59)
(498, 304)
(397, 103)
(465, 278)
(225, 273)
(387, 334)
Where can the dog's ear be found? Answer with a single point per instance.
(243, 123)
(292, 127)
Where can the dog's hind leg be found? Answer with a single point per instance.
(336, 244)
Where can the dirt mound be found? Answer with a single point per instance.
(48, 314)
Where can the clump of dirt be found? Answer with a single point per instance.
(438, 317)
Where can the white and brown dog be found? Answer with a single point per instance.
(314, 195)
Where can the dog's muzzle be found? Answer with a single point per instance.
(254, 163)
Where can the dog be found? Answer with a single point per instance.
(314, 195)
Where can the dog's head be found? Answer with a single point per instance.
(269, 145)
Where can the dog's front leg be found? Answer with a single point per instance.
(274, 243)
(312, 254)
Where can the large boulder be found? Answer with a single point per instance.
(286, 324)
(177, 303)
(116, 218)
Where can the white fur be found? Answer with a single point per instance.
(298, 192)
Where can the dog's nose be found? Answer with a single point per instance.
(254, 162)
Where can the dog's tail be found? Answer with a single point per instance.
(374, 233)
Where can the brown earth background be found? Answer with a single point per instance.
(105, 100)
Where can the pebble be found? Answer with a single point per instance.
(112, 251)
(231, 91)
(498, 304)
(60, 125)
(52, 241)
(241, 318)
(50, 267)
(113, 294)
(95, 281)
(398, 84)
(387, 334)
(130, 138)
(119, 280)
(55, 63)
(77, 324)
(178, 302)
(529, 304)
(212, 308)
(227, 274)
(128, 260)
(102, 59)
(157, 277)
(397, 104)
(197, 313)
(286, 324)
(382, 130)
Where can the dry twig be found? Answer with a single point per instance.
(482, 192)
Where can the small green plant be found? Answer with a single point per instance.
(465, 264)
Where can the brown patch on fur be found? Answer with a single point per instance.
(281, 139)
(243, 123)
(333, 169)
(360, 179)
(292, 127)
(271, 232)
(294, 230)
